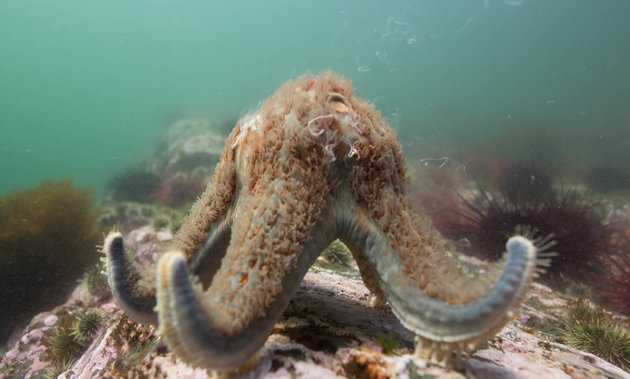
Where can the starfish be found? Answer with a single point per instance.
(314, 163)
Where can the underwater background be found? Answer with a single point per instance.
(513, 115)
(87, 88)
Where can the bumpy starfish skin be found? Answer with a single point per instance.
(313, 164)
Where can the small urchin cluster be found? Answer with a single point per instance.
(69, 338)
(60, 343)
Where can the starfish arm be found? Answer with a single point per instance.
(186, 330)
(222, 326)
(377, 298)
(211, 210)
(137, 297)
(206, 229)
(123, 277)
(445, 325)
(206, 261)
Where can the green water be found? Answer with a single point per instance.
(85, 86)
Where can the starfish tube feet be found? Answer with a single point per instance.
(455, 328)
(123, 277)
(186, 329)
(425, 288)
(444, 327)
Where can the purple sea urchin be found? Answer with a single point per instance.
(580, 236)
(614, 287)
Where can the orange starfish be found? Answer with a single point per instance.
(313, 164)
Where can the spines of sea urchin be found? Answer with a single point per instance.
(578, 232)
(60, 343)
(595, 332)
(86, 325)
(614, 287)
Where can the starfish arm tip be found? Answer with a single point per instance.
(122, 277)
(187, 325)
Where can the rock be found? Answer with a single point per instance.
(188, 144)
(50, 320)
(327, 331)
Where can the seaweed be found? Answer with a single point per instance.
(48, 235)
(132, 342)
(389, 343)
(160, 222)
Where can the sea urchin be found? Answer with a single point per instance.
(614, 287)
(86, 325)
(568, 216)
(599, 335)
